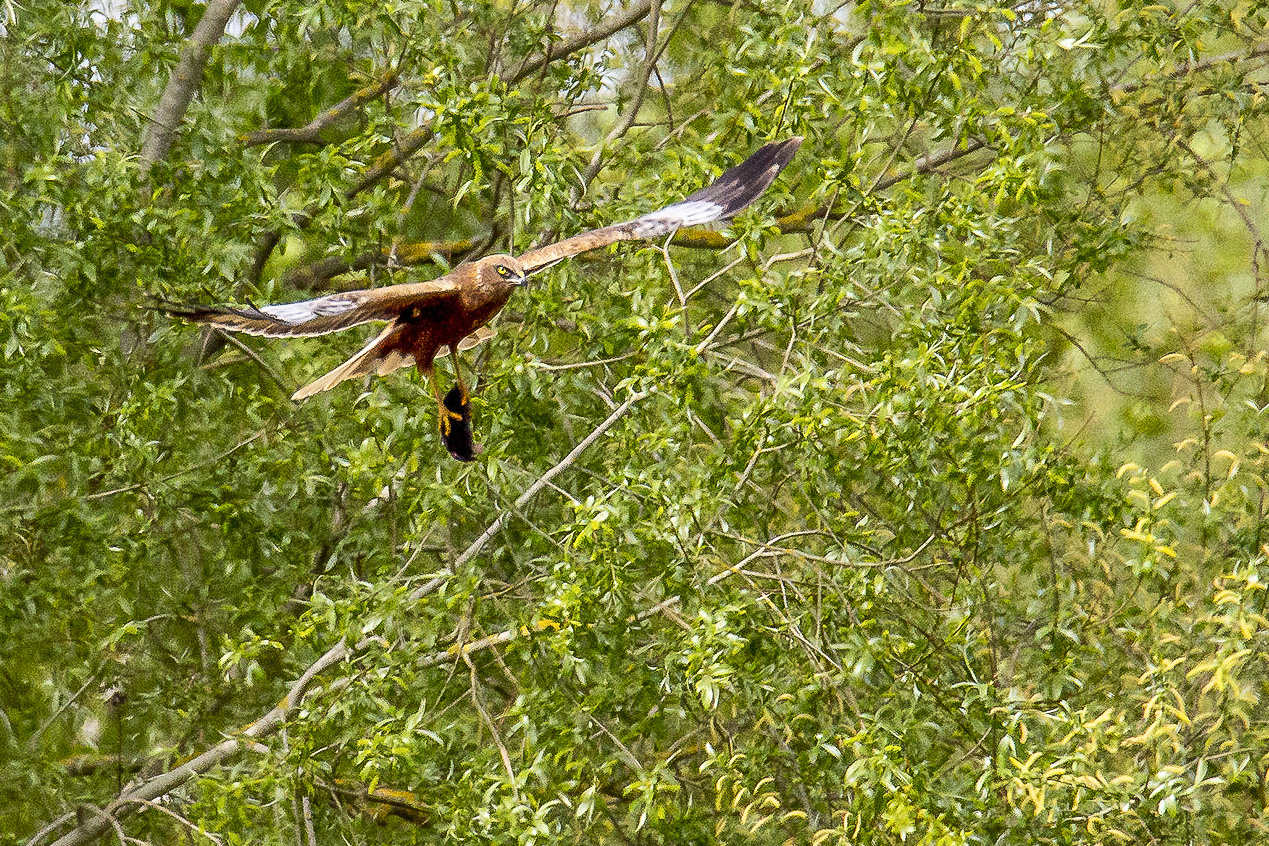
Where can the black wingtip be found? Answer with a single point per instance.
(209, 314)
(744, 183)
(183, 311)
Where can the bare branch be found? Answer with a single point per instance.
(1188, 68)
(312, 133)
(317, 274)
(254, 356)
(150, 483)
(33, 741)
(925, 164)
(391, 160)
(462, 650)
(184, 82)
(153, 788)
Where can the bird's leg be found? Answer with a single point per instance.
(444, 416)
(456, 434)
(458, 374)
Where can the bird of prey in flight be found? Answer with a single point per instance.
(449, 313)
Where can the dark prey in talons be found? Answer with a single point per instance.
(459, 440)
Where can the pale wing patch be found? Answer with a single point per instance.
(394, 360)
(324, 315)
(305, 311)
(673, 217)
(289, 320)
(475, 339)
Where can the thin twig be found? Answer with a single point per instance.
(189, 824)
(34, 738)
(545, 479)
(234, 341)
(163, 479)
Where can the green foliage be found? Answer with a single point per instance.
(929, 510)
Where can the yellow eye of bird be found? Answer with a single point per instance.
(503, 270)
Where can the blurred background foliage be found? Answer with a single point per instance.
(924, 504)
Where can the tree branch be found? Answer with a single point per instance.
(381, 801)
(1188, 68)
(925, 164)
(317, 274)
(184, 82)
(312, 132)
(632, 16)
(391, 160)
(138, 795)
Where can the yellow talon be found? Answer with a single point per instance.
(446, 425)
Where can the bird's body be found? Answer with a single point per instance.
(428, 319)
(425, 324)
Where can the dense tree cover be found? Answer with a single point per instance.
(924, 504)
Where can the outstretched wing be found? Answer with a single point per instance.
(385, 353)
(324, 314)
(724, 198)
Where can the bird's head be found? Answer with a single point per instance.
(499, 274)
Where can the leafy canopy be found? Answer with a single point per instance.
(923, 504)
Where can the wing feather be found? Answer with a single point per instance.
(380, 357)
(384, 354)
(475, 339)
(323, 315)
(720, 200)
